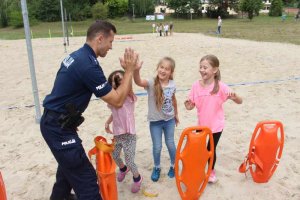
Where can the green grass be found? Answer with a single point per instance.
(262, 28)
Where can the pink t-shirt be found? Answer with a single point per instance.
(209, 107)
(123, 118)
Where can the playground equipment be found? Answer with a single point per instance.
(265, 151)
(2, 189)
(105, 167)
(193, 163)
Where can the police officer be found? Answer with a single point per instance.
(80, 76)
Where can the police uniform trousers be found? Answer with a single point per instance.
(74, 168)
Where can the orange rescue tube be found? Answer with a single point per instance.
(105, 167)
(2, 189)
(193, 163)
(265, 151)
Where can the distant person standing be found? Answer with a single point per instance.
(166, 29)
(153, 28)
(160, 29)
(171, 28)
(283, 17)
(219, 25)
(297, 16)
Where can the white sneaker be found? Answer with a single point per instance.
(212, 177)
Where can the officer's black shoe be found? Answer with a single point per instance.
(72, 197)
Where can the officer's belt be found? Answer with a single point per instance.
(52, 113)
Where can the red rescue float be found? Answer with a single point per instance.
(105, 166)
(265, 151)
(2, 189)
(191, 170)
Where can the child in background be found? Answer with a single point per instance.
(124, 133)
(208, 95)
(162, 111)
(171, 28)
(166, 29)
(219, 25)
(160, 29)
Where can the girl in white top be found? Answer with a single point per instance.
(162, 111)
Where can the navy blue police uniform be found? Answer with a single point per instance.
(79, 76)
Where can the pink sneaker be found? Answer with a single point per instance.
(121, 175)
(212, 177)
(136, 186)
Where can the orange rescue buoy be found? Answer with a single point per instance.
(2, 189)
(193, 163)
(265, 151)
(105, 167)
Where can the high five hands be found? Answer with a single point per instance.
(130, 60)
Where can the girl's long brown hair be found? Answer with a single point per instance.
(113, 80)
(158, 91)
(214, 62)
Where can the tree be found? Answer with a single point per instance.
(48, 10)
(177, 5)
(12, 13)
(78, 9)
(15, 19)
(220, 7)
(289, 3)
(33, 7)
(276, 8)
(251, 7)
(117, 8)
(182, 7)
(3, 13)
(99, 11)
(141, 7)
(196, 6)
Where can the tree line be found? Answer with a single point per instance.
(78, 10)
(220, 7)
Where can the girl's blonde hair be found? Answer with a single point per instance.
(214, 62)
(158, 91)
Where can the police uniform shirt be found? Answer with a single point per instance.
(79, 76)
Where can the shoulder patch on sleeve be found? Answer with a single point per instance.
(99, 87)
(68, 61)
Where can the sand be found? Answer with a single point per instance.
(266, 75)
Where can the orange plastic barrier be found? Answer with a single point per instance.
(105, 167)
(193, 172)
(2, 189)
(265, 151)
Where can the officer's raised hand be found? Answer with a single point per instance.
(129, 60)
(117, 97)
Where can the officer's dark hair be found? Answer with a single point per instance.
(115, 80)
(100, 26)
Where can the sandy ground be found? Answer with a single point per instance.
(266, 75)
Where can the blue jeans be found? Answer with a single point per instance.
(156, 130)
(219, 30)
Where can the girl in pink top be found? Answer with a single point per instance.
(123, 126)
(208, 95)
